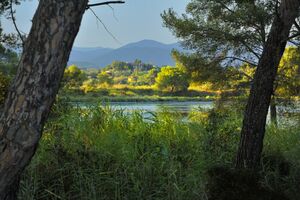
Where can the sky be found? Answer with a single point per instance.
(130, 22)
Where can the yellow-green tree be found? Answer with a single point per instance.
(151, 76)
(89, 85)
(105, 78)
(288, 79)
(73, 77)
(172, 79)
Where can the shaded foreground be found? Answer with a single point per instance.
(99, 153)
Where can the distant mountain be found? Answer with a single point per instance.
(148, 51)
(84, 56)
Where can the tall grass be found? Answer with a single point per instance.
(101, 153)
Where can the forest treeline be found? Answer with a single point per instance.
(182, 78)
(174, 80)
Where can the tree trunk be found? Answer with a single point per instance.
(273, 111)
(45, 55)
(253, 130)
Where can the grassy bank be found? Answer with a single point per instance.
(99, 153)
(125, 93)
(90, 98)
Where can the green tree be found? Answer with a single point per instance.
(8, 68)
(74, 77)
(239, 78)
(172, 79)
(105, 78)
(151, 76)
(288, 80)
(89, 85)
(201, 70)
(8, 61)
(287, 83)
(226, 30)
(255, 32)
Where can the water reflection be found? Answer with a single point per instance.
(181, 107)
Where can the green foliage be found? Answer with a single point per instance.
(105, 78)
(230, 32)
(287, 83)
(172, 79)
(288, 79)
(223, 29)
(8, 61)
(89, 85)
(151, 75)
(202, 74)
(200, 69)
(102, 153)
(239, 78)
(73, 77)
(8, 67)
(4, 84)
(125, 66)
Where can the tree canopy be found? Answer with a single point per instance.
(288, 79)
(172, 79)
(226, 30)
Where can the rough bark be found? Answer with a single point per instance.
(45, 55)
(253, 130)
(273, 111)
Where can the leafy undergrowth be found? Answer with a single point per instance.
(101, 153)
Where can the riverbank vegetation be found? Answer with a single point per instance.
(123, 80)
(102, 153)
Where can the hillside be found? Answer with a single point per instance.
(148, 51)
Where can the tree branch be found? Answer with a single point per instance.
(14, 22)
(246, 75)
(297, 25)
(107, 30)
(294, 36)
(104, 3)
(240, 59)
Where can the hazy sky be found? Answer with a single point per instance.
(136, 20)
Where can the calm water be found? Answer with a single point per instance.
(147, 108)
(182, 107)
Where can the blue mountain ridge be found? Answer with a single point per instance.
(148, 51)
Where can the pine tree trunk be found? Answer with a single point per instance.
(253, 130)
(273, 111)
(45, 55)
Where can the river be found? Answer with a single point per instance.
(184, 107)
